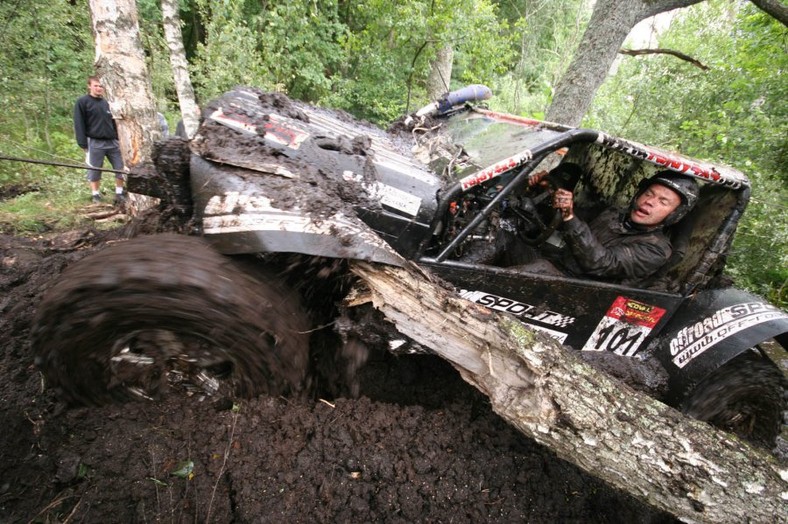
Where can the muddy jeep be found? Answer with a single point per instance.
(283, 194)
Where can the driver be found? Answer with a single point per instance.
(625, 247)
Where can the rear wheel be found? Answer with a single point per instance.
(745, 397)
(166, 313)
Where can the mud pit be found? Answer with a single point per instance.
(419, 444)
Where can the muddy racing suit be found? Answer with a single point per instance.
(612, 249)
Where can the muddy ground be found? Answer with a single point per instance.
(417, 445)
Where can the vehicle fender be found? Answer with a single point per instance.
(238, 216)
(711, 328)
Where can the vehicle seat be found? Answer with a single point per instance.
(692, 237)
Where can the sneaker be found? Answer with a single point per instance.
(120, 199)
(96, 199)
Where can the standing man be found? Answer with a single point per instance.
(97, 135)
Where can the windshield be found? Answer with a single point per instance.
(489, 140)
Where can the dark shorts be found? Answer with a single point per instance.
(98, 150)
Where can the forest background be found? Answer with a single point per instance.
(374, 58)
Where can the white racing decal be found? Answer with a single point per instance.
(557, 335)
(233, 202)
(488, 173)
(693, 340)
(234, 212)
(518, 309)
(388, 195)
(624, 327)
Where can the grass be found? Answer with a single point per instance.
(49, 199)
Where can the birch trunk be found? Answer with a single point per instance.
(120, 63)
(636, 444)
(190, 111)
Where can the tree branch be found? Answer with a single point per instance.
(775, 8)
(677, 54)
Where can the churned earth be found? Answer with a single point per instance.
(418, 444)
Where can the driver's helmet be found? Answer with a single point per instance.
(684, 186)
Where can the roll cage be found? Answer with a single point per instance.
(612, 168)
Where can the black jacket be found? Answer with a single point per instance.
(610, 249)
(92, 119)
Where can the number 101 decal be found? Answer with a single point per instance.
(624, 327)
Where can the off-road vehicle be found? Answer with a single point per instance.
(285, 194)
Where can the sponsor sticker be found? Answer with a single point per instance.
(518, 309)
(624, 327)
(396, 198)
(495, 170)
(275, 128)
(694, 339)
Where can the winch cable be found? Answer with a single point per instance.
(63, 164)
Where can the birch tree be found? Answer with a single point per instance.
(190, 112)
(440, 73)
(120, 62)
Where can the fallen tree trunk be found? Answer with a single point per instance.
(635, 443)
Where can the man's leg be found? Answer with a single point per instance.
(116, 159)
(94, 158)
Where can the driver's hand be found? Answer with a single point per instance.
(565, 201)
(537, 178)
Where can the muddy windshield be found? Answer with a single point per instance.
(488, 140)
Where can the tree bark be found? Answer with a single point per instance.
(611, 22)
(636, 444)
(440, 73)
(120, 62)
(190, 111)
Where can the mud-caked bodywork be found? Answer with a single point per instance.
(272, 175)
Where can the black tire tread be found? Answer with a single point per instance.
(177, 283)
(745, 397)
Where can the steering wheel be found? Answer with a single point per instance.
(534, 210)
(541, 215)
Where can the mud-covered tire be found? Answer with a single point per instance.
(745, 397)
(139, 318)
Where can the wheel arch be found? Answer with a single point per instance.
(711, 328)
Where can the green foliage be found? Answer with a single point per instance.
(301, 47)
(545, 34)
(286, 46)
(46, 55)
(734, 113)
(228, 55)
(389, 47)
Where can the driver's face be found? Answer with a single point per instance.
(654, 205)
